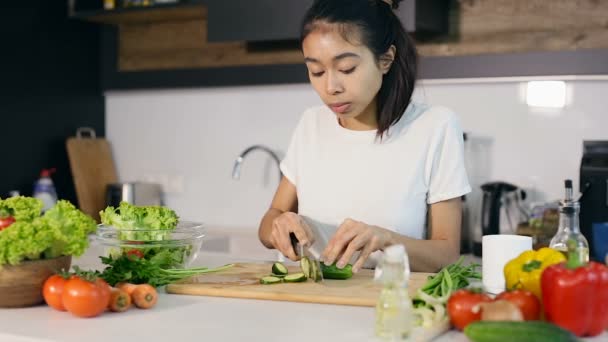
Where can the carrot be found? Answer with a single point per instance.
(127, 287)
(145, 296)
(119, 300)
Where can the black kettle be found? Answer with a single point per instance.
(491, 204)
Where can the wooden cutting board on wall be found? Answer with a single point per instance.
(242, 281)
(92, 169)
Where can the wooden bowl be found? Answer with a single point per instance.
(21, 285)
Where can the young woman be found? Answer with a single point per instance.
(377, 167)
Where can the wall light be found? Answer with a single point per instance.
(547, 94)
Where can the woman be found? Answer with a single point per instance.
(380, 168)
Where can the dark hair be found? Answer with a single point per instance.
(379, 28)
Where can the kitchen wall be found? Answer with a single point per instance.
(188, 139)
(49, 86)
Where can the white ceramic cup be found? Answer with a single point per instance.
(497, 250)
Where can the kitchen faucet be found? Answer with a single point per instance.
(236, 170)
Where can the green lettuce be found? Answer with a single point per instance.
(21, 208)
(141, 223)
(70, 230)
(62, 230)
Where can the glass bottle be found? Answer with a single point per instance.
(394, 308)
(569, 231)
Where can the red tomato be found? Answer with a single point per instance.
(463, 307)
(525, 301)
(6, 221)
(52, 291)
(136, 253)
(84, 298)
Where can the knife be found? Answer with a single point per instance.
(310, 264)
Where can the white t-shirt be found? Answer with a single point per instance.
(341, 173)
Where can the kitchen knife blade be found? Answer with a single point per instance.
(311, 266)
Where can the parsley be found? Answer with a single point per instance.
(137, 270)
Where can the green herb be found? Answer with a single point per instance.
(448, 280)
(137, 270)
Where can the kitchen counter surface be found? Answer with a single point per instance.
(184, 318)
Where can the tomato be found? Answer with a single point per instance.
(52, 291)
(526, 301)
(463, 307)
(6, 221)
(84, 298)
(136, 253)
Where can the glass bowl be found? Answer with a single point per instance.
(175, 248)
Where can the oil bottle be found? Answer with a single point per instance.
(569, 231)
(394, 307)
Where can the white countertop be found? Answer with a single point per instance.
(183, 318)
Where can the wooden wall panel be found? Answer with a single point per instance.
(482, 17)
(476, 27)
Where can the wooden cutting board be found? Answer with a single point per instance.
(242, 281)
(92, 169)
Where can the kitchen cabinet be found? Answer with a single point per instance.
(272, 20)
(199, 43)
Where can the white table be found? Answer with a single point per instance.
(186, 318)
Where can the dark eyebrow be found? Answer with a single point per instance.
(338, 57)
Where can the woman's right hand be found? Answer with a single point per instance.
(282, 226)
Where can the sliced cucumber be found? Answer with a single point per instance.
(270, 280)
(295, 278)
(315, 272)
(305, 266)
(279, 269)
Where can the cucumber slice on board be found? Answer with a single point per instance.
(270, 280)
(295, 278)
(315, 271)
(279, 269)
(305, 265)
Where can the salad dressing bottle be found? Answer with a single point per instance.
(394, 313)
(569, 230)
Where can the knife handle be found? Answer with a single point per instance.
(294, 242)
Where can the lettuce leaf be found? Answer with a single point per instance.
(62, 230)
(132, 218)
(21, 208)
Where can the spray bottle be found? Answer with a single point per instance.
(44, 189)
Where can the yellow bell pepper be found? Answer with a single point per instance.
(524, 271)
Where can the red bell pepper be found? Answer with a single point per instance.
(576, 297)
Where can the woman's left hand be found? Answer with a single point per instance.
(355, 236)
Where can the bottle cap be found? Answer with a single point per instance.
(47, 172)
(394, 253)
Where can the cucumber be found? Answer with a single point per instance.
(270, 280)
(279, 269)
(529, 331)
(305, 266)
(315, 272)
(333, 272)
(295, 278)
